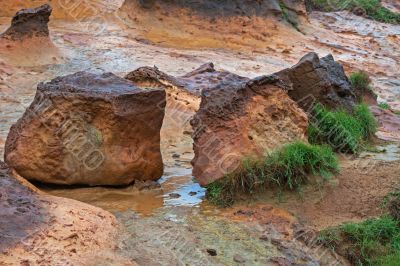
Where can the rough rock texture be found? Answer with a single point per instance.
(27, 23)
(240, 118)
(38, 229)
(203, 77)
(89, 129)
(316, 79)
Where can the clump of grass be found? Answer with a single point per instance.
(361, 82)
(384, 106)
(366, 120)
(373, 9)
(344, 132)
(372, 242)
(287, 168)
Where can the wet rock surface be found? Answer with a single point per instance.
(28, 23)
(240, 118)
(38, 229)
(322, 80)
(389, 124)
(95, 129)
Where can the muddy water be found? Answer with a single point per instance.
(177, 188)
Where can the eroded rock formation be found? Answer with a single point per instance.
(28, 23)
(316, 79)
(39, 229)
(240, 118)
(89, 129)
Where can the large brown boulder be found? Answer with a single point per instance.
(28, 23)
(239, 119)
(89, 129)
(322, 80)
(39, 229)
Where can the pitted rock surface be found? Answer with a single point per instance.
(89, 129)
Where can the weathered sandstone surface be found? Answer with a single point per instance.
(241, 118)
(39, 229)
(315, 79)
(94, 129)
(28, 23)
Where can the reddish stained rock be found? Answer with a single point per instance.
(389, 124)
(30, 22)
(89, 129)
(240, 118)
(316, 79)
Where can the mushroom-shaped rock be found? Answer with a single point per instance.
(94, 129)
(242, 118)
(322, 80)
(28, 23)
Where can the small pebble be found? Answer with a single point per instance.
(174, 195)
(238, 258)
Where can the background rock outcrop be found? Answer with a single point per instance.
(315, 79)
(89, 129)
(183, 100)
(28, 23)
(231, 8)
(241, 118)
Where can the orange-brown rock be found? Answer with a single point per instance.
(39, 229)
(240, 118)
(322, 80)
(89, 129)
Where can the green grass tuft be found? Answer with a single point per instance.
(366, 120)
(288, 168)
(373, 9)
(344, 132)
(384, 106)
(372, 242)
(361, 82)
